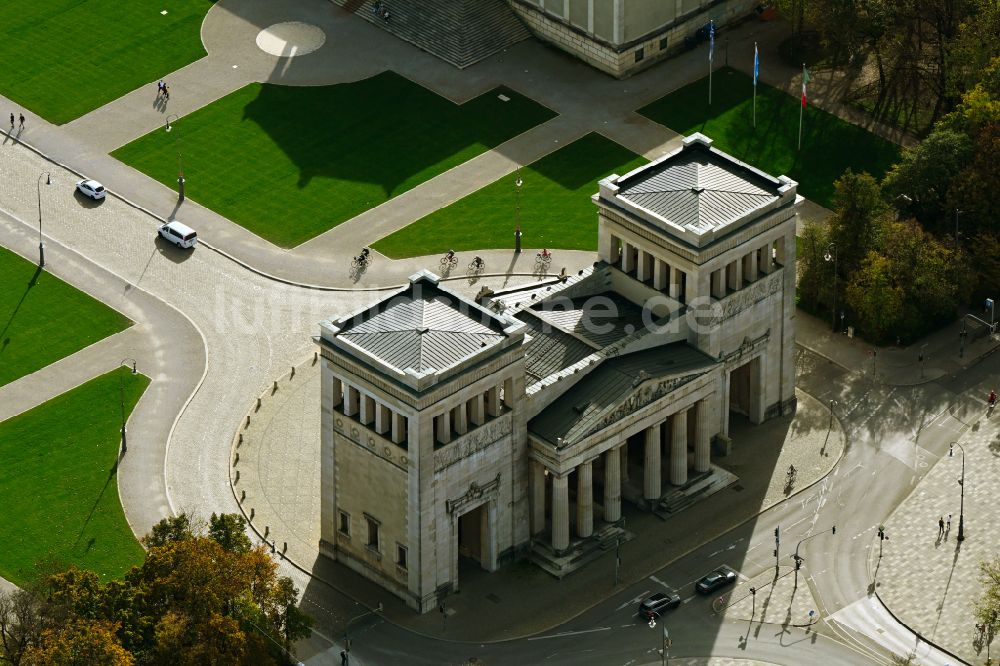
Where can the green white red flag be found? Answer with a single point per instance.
(805, 80)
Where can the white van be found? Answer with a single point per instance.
(179, 234)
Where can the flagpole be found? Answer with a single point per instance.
(755, 85)
(709, 82)
(801, 107)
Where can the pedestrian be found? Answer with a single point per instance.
(22, 121)
(166, 91)
(12, 122)
(343, 658)
(949, 523)
(941, 525)
(159, 88)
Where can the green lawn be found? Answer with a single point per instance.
(43, 319)
(58, 484)
(556, 210)
(289, 163)
(829, 145)
(64, 58)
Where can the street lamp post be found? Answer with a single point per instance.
(664, 656)
(831, 254)
(961, 482)
(799, 559)
(957, 213)
(121, 396)
(180, 166)
(882, 536)
(41, 244)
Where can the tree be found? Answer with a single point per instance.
(874, 297)
(987, 607)
(229, 531)
(169, 530)
(924, 175)
(79, 643)
(859, 220)
(20, 625)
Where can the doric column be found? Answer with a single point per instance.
(628, 264)
(537, 497)
(661, 274)
(585, 499)
(351, 396)
(398, 428)
(336, 391)
(675, 283)
(623, 470)
(750, 267)
(461, 422)
(493, 401)
(651, 489)
(735, 275)
(764, 261)
(642, 270)
(444, 427)
(367, 408)
(679, 449)
(382, 418)
(560, 512)
(477, 413)
(612, 485)
(702, 444)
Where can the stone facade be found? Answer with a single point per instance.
(457, 429)
(622, 37)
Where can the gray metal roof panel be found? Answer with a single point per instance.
(549, 350)
(573, 415)
(423, 328)
(698, 189)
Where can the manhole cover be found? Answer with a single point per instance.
(287, 40)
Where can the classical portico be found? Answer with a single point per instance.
(531, 421)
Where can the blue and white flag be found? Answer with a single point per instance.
(711, 40)
(756, 64)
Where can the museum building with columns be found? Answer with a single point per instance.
(460, 433)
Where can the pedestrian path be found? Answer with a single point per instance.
(924, 574)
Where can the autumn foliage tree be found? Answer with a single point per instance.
(202, 596)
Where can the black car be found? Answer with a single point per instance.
(713, 581)
(700, 35)
(655, 605)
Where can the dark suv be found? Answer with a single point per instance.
(700, 35)
(655, 605)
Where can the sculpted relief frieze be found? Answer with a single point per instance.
(472, 442)
(647, 394)
(749, 296)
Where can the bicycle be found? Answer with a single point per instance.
(477, 265)
(543, 259)
(363, 260)
(449, 261)
(790, 474)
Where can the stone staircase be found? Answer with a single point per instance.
(460, 32)
(696, 489)
(579, 553)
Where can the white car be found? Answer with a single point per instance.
(179, 234)
(92, 189)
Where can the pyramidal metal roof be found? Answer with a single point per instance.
(423, 328)
(697, 190)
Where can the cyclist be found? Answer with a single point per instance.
(992, 399)
(450, 255)
(791, 470)
(478, 262)
(546, 254)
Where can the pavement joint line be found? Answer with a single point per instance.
(201, 335)
(563, 620)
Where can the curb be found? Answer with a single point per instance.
(917, 633)
(563, 620)
(240, 262)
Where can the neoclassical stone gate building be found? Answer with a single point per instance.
(458, 431)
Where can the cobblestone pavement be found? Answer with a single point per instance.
(781, 599)
(928, 578)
